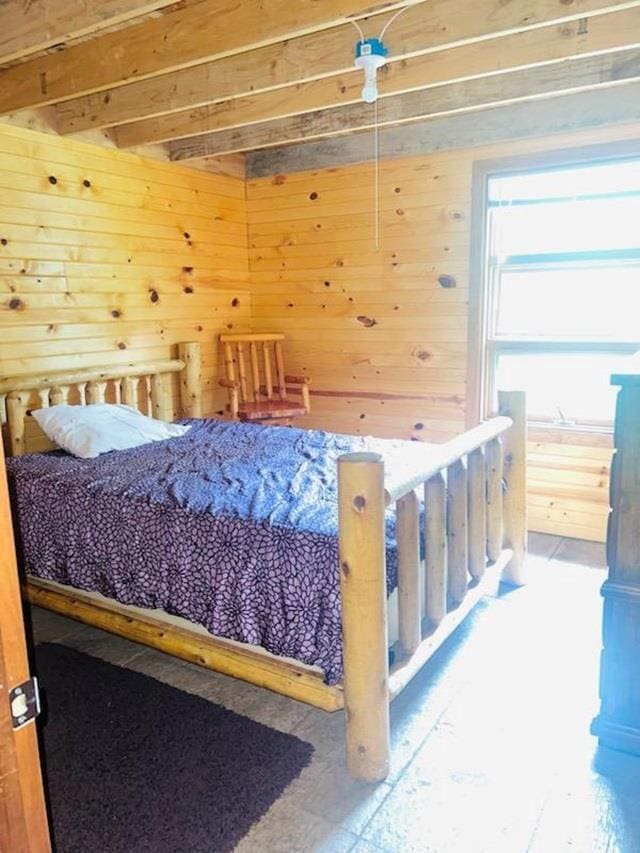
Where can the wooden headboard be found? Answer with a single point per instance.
(148, 386)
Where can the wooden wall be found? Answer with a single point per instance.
(106, 257)
(383, 332)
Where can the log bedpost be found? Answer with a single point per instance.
(409, 602)
(96, 392)
(130, 391)
(361, 500)
(513, 404)
(477, 513)
(494, 461)
(435, 537)
(161, 404)
(457, 532)
(17, 404)
(191, 380)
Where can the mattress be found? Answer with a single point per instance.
(231, 526)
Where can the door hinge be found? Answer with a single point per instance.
(25, 703)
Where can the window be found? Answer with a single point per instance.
(563, 287)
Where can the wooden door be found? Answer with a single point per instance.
(23, 818)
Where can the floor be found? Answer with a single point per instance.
(491, 744)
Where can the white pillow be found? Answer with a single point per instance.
(88, 431)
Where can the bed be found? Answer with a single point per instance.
(270, 554)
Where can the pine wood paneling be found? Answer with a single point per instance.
(106, 257)
(383, 332)
(384, 341)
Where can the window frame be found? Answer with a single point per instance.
(483, 347)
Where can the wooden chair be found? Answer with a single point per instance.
(256, 394)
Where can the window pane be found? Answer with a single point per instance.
(601, 302)
(621, 176)
(563, 387)
(571, 226)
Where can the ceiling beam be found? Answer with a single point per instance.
(546, 81)
(526, 119)
(30, 27)
(433, 26)
(521, 50)
(194, 34)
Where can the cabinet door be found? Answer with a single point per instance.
(23, 818)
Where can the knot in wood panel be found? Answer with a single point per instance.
(367, 322)
(359, 503)
(447, 281)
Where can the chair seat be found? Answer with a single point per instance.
(266, 409)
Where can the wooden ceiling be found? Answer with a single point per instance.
(212, 77)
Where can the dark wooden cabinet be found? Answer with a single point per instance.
(618, 723)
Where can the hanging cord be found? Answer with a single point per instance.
(376, 129)
(359, 29)
(376, 180)
(384, 29)
(391, 20)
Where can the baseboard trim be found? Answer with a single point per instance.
(616, 735)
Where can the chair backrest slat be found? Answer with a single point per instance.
(255, 370)
(242, 373)
(229, 363)
(268, 382)
(282, 390)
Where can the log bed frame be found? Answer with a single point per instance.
(475, 533)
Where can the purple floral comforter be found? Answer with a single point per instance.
(231, 526)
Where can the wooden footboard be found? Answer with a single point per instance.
(474, 531)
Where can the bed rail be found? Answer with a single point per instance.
(474, 530)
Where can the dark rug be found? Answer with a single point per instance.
(136, 765)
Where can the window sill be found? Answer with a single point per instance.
(542, 432)
(586, 429)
